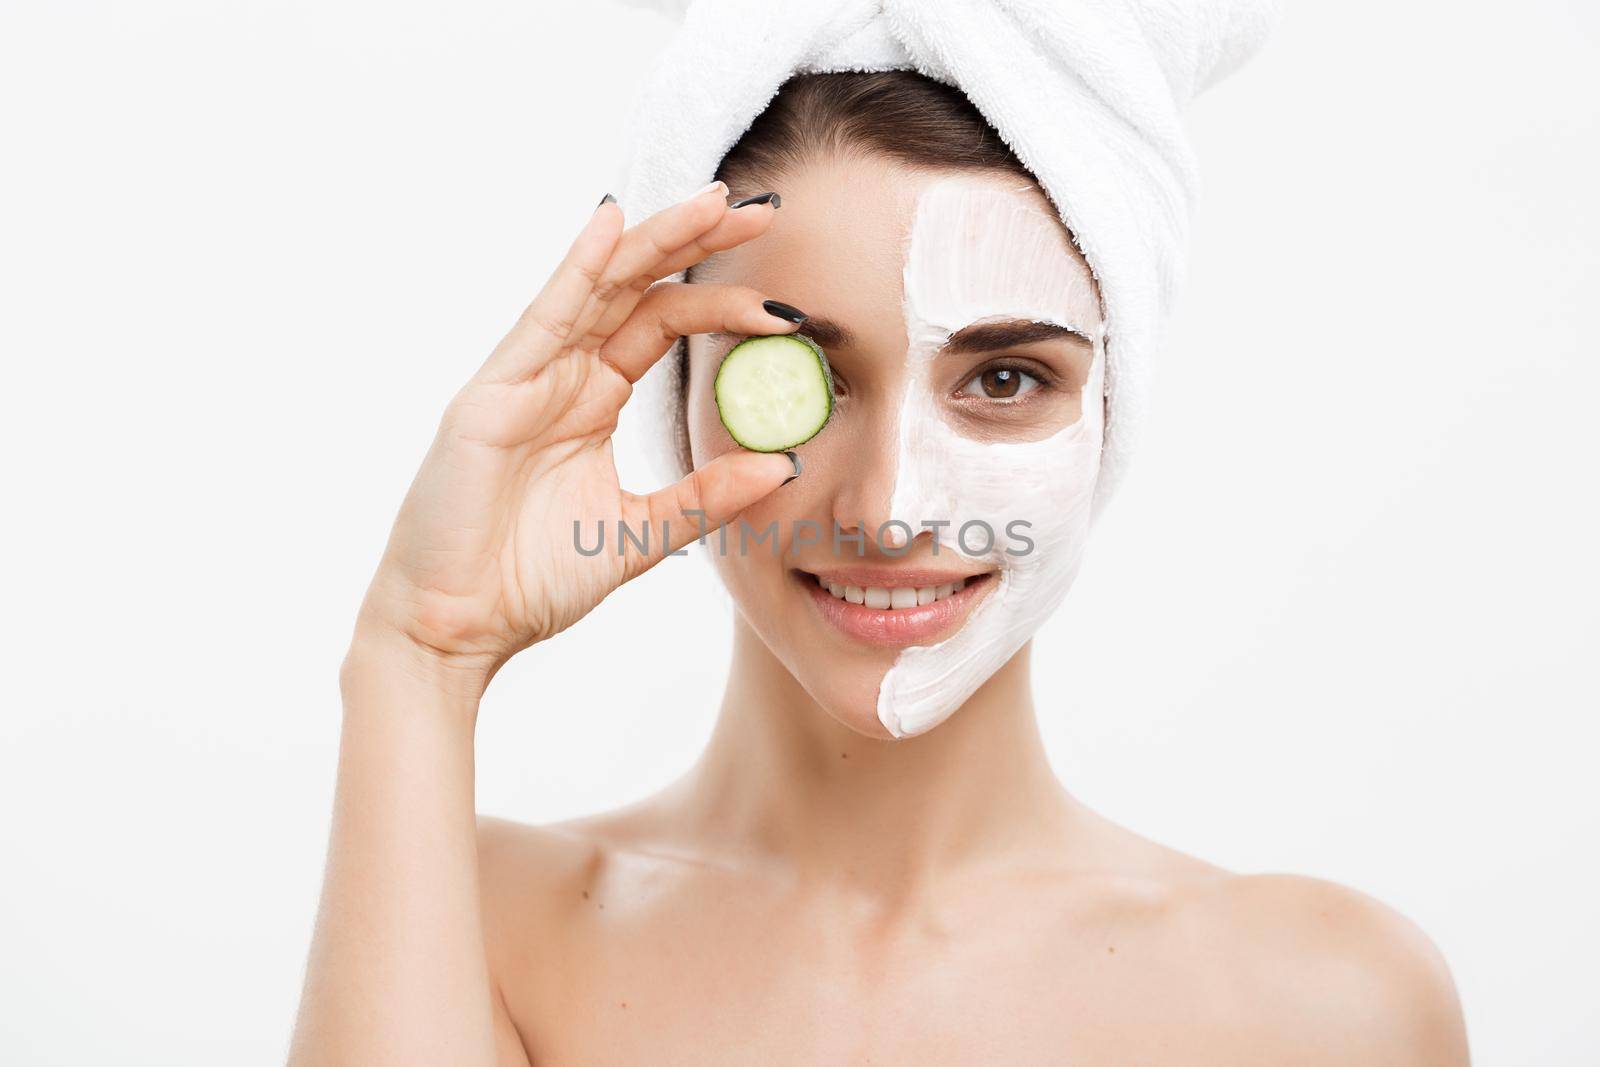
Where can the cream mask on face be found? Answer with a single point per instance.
(980, 251)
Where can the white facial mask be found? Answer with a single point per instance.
(979, 251)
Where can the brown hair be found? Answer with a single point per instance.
(898, 114)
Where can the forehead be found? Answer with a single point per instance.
(981, 250)
(838, 245)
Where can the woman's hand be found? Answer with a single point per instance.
(482, 559)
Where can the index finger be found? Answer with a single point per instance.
(545, 326)
(641, 261)
(671, 310)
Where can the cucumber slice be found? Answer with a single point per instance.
(774, 392)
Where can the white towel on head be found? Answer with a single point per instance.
(1087, 93)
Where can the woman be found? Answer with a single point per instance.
(872, 862)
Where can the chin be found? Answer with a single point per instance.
(839, 629)
(849, 697)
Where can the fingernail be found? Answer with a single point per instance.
(762, 198)
(783, 311)
(604, 200)
(794, 457)
(712, 185)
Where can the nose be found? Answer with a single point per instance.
(866, 469)
(873, 463)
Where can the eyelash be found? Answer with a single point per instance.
(1041, 382)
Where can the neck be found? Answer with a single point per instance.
(783, 778)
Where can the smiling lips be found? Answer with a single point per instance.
(890, 607)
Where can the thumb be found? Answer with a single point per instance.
(708, 497)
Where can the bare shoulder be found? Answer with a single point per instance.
(1336, 970)
(520, 851)
(531, 880)
(543, 873)
(529, 872)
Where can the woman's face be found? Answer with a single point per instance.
(942, 511)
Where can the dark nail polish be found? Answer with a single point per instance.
(795, 459)
(607, 199)
(762, 198)
(783, 311)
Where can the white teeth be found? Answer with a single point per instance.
(890, 599)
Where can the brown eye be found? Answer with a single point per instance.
(1001, 383)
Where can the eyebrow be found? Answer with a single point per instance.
(827, 333)
(989, 336)
(979, 337)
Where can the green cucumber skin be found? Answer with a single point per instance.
(827, 381)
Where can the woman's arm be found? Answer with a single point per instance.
(481, 564)
(398, 972)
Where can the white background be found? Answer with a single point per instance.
(1341, 620)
